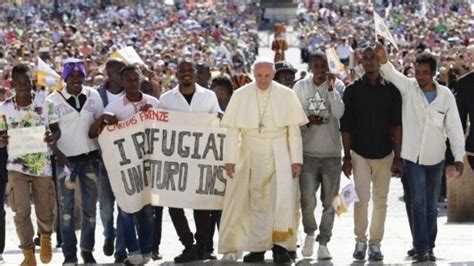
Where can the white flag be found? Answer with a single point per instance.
(382, 29)
(345, 198)
(334, 64)
(47, 76)
(128, 55)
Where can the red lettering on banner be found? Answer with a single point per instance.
(154, 115)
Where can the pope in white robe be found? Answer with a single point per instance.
(263, 157)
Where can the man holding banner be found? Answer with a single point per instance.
(29, 121)
(120, 109)
(265, 117)
(188, 96)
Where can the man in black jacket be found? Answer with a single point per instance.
(465, 94)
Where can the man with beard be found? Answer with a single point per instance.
(429, 114)
(77, 106)
(188, 96)
(371, 137)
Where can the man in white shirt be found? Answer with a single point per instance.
(77, 106)
(429, 114)
(188, 96)
(121, 109)
(110, 91)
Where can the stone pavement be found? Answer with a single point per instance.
(455, 242)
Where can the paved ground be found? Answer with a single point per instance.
(455, 243)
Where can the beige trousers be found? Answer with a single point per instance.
(366, 172)
(44, 198)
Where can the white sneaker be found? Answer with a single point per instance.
(134, 259)
(308, 246)
(323, 253)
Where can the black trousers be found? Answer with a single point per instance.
(202, 219)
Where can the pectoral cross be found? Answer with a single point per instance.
(260, 126)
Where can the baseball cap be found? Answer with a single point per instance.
(284, 65)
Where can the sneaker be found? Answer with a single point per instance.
(134, 259)
(360, 250)
(375, 253)
(308, 246)
(411, 252)
(46, 252)
(431, 256)
(120, 259)
(421, 258)
(188, 254)
(156, 256)
(147, 258)
(70, 259)
(108, 247)
(87, 257)
(323, 253)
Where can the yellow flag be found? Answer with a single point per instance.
(334, 64)
(47, 77)
(381, 29)
(128, 55)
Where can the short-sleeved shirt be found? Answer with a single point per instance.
(39, 113)
(122, 108)
(370, 113)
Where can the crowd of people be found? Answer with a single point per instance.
(443, 28)
(196, 59)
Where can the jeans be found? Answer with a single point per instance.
(87, 173)
(324, 172)
(424, 182)
(106, 202)
(106, 207)
(3, 186)
(407, 200)
(144, 223)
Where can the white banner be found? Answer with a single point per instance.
(26, 140)
(165, 158)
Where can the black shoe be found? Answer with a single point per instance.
(293, 255)
(188, 254)
(280, 254)
(411, 252)
(420, 258)
(254, 257)
(156, 256)
(88, 257)
(108, 247)
(120, 259)
(203, 253)
(37, 241)
(431, 256)
(70, 259)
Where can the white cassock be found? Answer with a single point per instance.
(260, 204)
